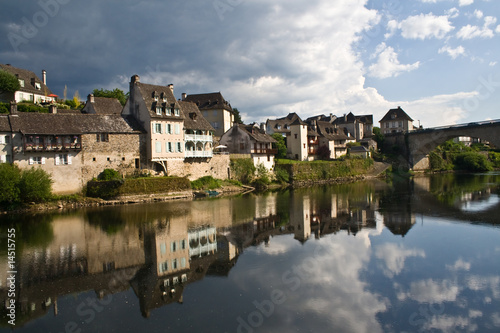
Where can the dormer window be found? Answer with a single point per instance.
(158, 110)
(278, 126)
(21, 83)
(177, 112)
(38, 86)
(393, 116)
(164, 97)
(192, 115)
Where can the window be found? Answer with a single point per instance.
(179, 147)
(174, 264)
(295, 136)
(3, 158)
(36, 160)
(168, 112)
(158, 110)
(63, 159)
(5, 139)
(168, 128)
(173, 246)
(183, 244)
(400, 124)
(215, 125)
(168, 147)
(242, 146)
(102, 137)
(21, 83)
(163, 267)
(183, 262)
(386, 125)
(158, 146)
(157, 128)
(163, 248)
(177, 129)
(38, 86)
(177, 112)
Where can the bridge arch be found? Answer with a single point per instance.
(422, 142)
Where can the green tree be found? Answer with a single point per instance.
(116, 93)
(35, 185)
(8, 82)
(10, 175)
(378, 137)
(237, 116)
(109, 174)
(280, 145)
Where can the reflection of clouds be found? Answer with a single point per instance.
(450, 324)
(430, 291)
(394, 256)
(277, 248)
(329, 289)
(475, 313)
(459, 265)
(475, 282)
(495, 319)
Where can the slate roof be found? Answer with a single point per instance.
(105, 105)
(331, 132)
(209, 101)
(350, 118)
(256, 133)
(396, 114)
(285, 121)
(27, 76)
(71, 124)
(4, 123)
(193, 119)
(166, 99)
(359, 149)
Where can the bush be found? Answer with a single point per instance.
(205, 183)
(494, 158)
(4, 108)
(10, 176)
(35, 185)
(282, 175)
(243, 169)
(29, 107)
(471, 161)
(109, 174)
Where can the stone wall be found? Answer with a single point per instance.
(217, 167)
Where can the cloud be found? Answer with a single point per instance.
(479, 14)
(465, 2)
(474, 31)
(387, 64)
(394, 257)
(459, 265)
(452, 12)
(424, 26)
(430, 291)
(453, 53)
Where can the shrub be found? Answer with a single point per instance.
(109, 174)
(471, 161)
(243, 169)
(205, 183)
(35, 185)
(494, 158)
(4, 108)
(10, 176)
(282, 175)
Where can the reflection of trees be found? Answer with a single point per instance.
(109, 220)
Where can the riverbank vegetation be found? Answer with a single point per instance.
(457, 156)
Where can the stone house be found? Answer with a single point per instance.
(332, 137)
(358, 127)
(250, 140)
(5, 140)
(74, 148)
(396, 120)
(102, 105)
(216, 110)
(178, 140)
(32, 88)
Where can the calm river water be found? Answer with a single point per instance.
(406, 256)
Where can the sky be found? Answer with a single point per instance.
(437, 59)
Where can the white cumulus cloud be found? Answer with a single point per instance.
(453, 53)
(465, 2)
(424, 26)
(474, 31)
(387, 64)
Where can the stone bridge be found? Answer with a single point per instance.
(416, 145)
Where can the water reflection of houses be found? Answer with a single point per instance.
(397, 212)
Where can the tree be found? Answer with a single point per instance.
(116, 93)
(378, 137)
(35, 185)
(10, 175)
(8, 82)
(76, 98)
(237, 116)
(280, 145)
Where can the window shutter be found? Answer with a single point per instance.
(58, 159)
(69, 158)
(43, 160)
(30, 160)
(154, 128)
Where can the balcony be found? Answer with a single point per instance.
(198, 138)
(52, 146)
(267, 151)
(198, 153)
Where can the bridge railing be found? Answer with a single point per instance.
(475, 123)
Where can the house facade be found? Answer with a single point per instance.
(31, 89)
(395, 121)
(74, 148)
(250, 140)
(215, 109)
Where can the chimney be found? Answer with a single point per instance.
(44, 76)
(13, 107)
(184, 95)
(90, 98)
(52, 109)
(135, 78)
(171, 86)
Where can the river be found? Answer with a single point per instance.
(401, 256)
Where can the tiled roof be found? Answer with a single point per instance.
(4, 123)
(193, 119)
(105, 105)
(396, 114)
(350, 118)
(65, 124)
(165, 97)
(209, 101)
(359, 149)
(330, 132)
(256, 134)
(29, 78)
